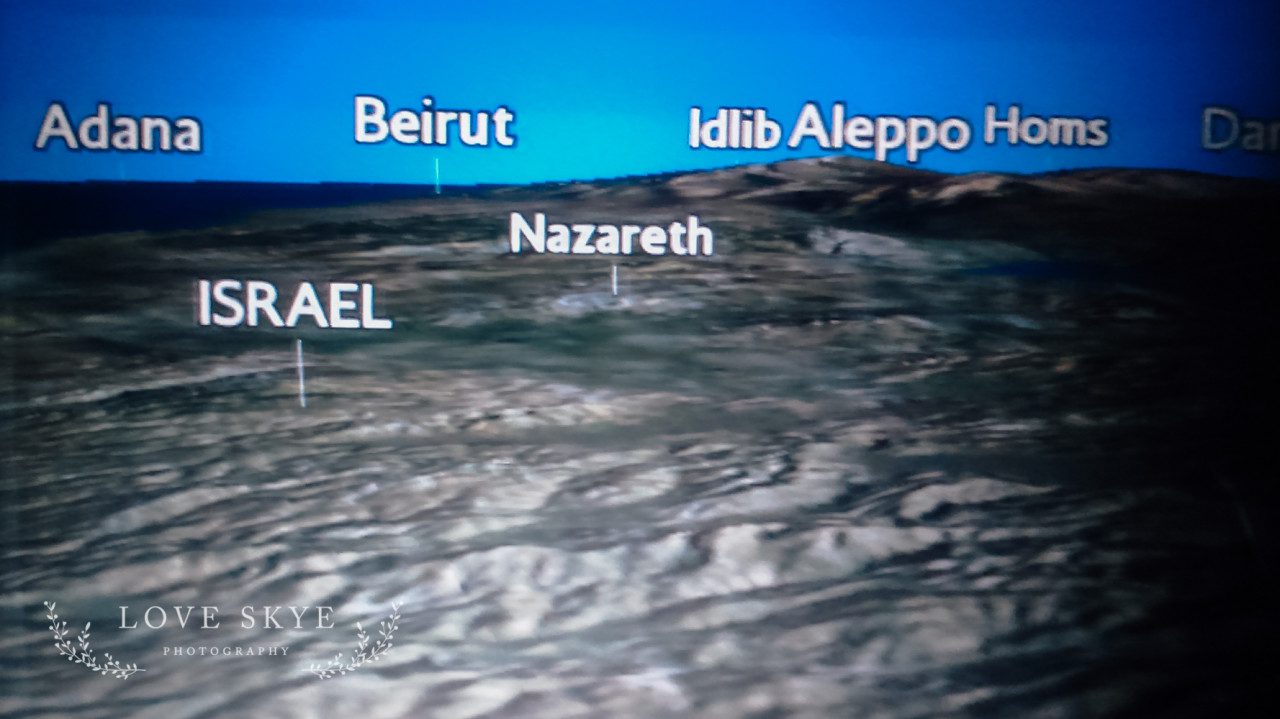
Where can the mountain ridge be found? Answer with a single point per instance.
(847, 190)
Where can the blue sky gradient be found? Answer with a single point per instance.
(603, 90)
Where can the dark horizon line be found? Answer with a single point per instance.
(32, 211)
(431, 184)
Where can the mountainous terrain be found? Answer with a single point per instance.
(908, 445)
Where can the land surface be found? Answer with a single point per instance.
(909, 445)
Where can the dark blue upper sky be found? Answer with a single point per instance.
(604, 89)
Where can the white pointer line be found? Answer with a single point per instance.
(302, 379)
(615, 280)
